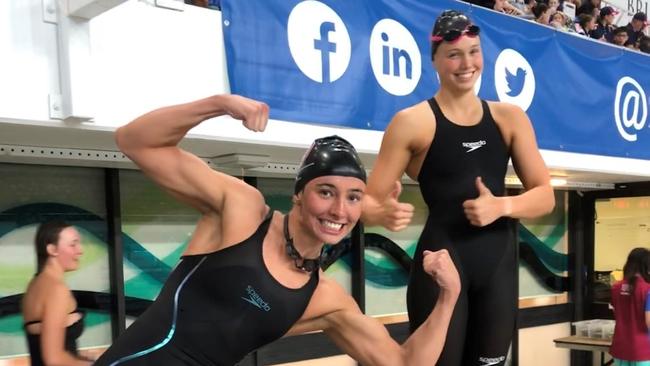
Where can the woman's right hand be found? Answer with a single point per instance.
(252, 113)
(390, 213)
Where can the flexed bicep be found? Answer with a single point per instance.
(151, 142)
(185, 176)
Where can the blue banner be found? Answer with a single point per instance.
(356, 63)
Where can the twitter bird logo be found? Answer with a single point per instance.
(515, 81)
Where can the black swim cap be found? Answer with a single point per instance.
(331, 155)
(448, 21)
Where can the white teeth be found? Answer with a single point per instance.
(332, 225)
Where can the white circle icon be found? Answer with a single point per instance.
(319, 41)
(514, 79)
(394, 57)
(627, 107)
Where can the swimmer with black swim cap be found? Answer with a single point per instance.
(327, 156)
(331, 155)
(449, 27)
(242, 281)
(436, 142)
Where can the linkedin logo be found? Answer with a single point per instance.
(319, 41)
(394, 57)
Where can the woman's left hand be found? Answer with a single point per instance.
(484, 209)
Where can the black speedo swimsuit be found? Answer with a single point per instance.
(213, 309)
(483, 319)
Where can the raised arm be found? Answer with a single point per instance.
(367, 340)
(53, 328)
(151, 142)
(401, 141)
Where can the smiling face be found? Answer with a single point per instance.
(330, 206)
(459, 63)
(67, 250)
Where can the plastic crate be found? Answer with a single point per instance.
(594, 328)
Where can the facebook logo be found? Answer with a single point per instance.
(325, 46)
(318, 41)
(395, 57)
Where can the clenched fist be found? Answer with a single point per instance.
(439, 265)
(252, 113)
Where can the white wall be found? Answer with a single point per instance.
(536, 346)
(28, 65)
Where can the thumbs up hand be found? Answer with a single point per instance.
(391, 213)
(484, 209)
(397, 214)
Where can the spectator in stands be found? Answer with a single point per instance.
(635, 28)
(589, 7)
(542, 13)
(577, 3)
(526, 7)
(604, 24)
(644, 44)
(554, 5)
(619, 36)
(499, 5)
(584, 24)
(559, 21)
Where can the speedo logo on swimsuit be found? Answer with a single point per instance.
(256, 299)
(471, 146)
(489, 361)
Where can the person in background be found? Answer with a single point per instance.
(644, 44)
(590, 7)
(635, 28)
(619, 36)
(631, 302)
(604, 24)
(52, 322)
(503, 6)
(559, 21)
(542, 13)
(584, 24)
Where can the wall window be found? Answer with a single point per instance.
(155, 231)
(543, 258)
(622, 224)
